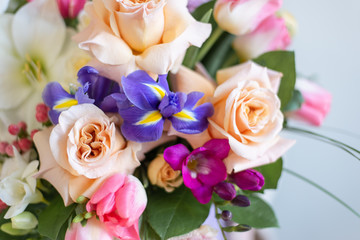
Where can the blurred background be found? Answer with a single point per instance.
(327, 48)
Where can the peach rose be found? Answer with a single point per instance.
(151, 35)
(161, 174)
(247, 112)
(79, 153)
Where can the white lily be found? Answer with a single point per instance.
(35, 48)
(18, 184)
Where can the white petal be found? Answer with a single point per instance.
(39, 30)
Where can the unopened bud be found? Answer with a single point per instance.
(241, 201)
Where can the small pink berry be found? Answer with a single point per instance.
(22, 125)
(9, 150)
(33, 133)
(3, 146)
(2, 206)
(42, 113)
(14, 129)
(25, 144)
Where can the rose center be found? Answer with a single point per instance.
(93, 141)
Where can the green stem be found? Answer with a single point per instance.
(322, 189)
(325, 138)
(232, 60)
(209, 43)
(218, 221)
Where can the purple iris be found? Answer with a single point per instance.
(145, 104)
(203, 168)
(95, 89)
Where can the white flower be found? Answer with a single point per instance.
(35, 48)
(17, 184)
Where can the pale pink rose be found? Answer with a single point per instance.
(93, 230)
(151, 35)
(243, 16)
(119, 203)
(85, 148)
(70, 8)
(247, 112)
(272, 34)
(317, 102)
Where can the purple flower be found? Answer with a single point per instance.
(225, 190)
(145, 104)
(203, 168)
(249, 179)
(95, 89)
(193, 4)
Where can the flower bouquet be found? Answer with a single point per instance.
(129, 119)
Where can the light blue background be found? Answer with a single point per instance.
(327, 47)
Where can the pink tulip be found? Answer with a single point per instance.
(272, 34)
(317, 102)
(70, 8)
(119, 203)
(93, 230)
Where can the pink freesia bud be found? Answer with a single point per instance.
(93, 230)
(22, 125)
(42, 113)
(249, 179)
(25, 144)
(272, 34)
(3, 146)
(14, 129)
(317, 102)
(119, 203)
(70, 8)
(33, 133)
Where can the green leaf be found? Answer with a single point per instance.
(52, 219)
(176, 213)
(258, 215)
(271, 173)
(201, 11)
(146, 231)
(192, 52)
(295, 102)
(282, 61)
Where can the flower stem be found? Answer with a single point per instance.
(326, 139)
(218, 221)
(322, 189)
(209, 43)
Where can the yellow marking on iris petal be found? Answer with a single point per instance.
(66, 104)
(185, 116)
(158, 91)
(150, 118)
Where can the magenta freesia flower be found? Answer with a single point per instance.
(249, 179)
(119, 203)
(203, 168)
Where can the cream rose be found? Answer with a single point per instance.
(247, 112)
(161, 174)
(79, 153)
(152, 35)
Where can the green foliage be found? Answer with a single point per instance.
(271, 173)
(193, 52)
(258, 215)
(281, 61)
(173, 214)
(295, 102)
(53, 221)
